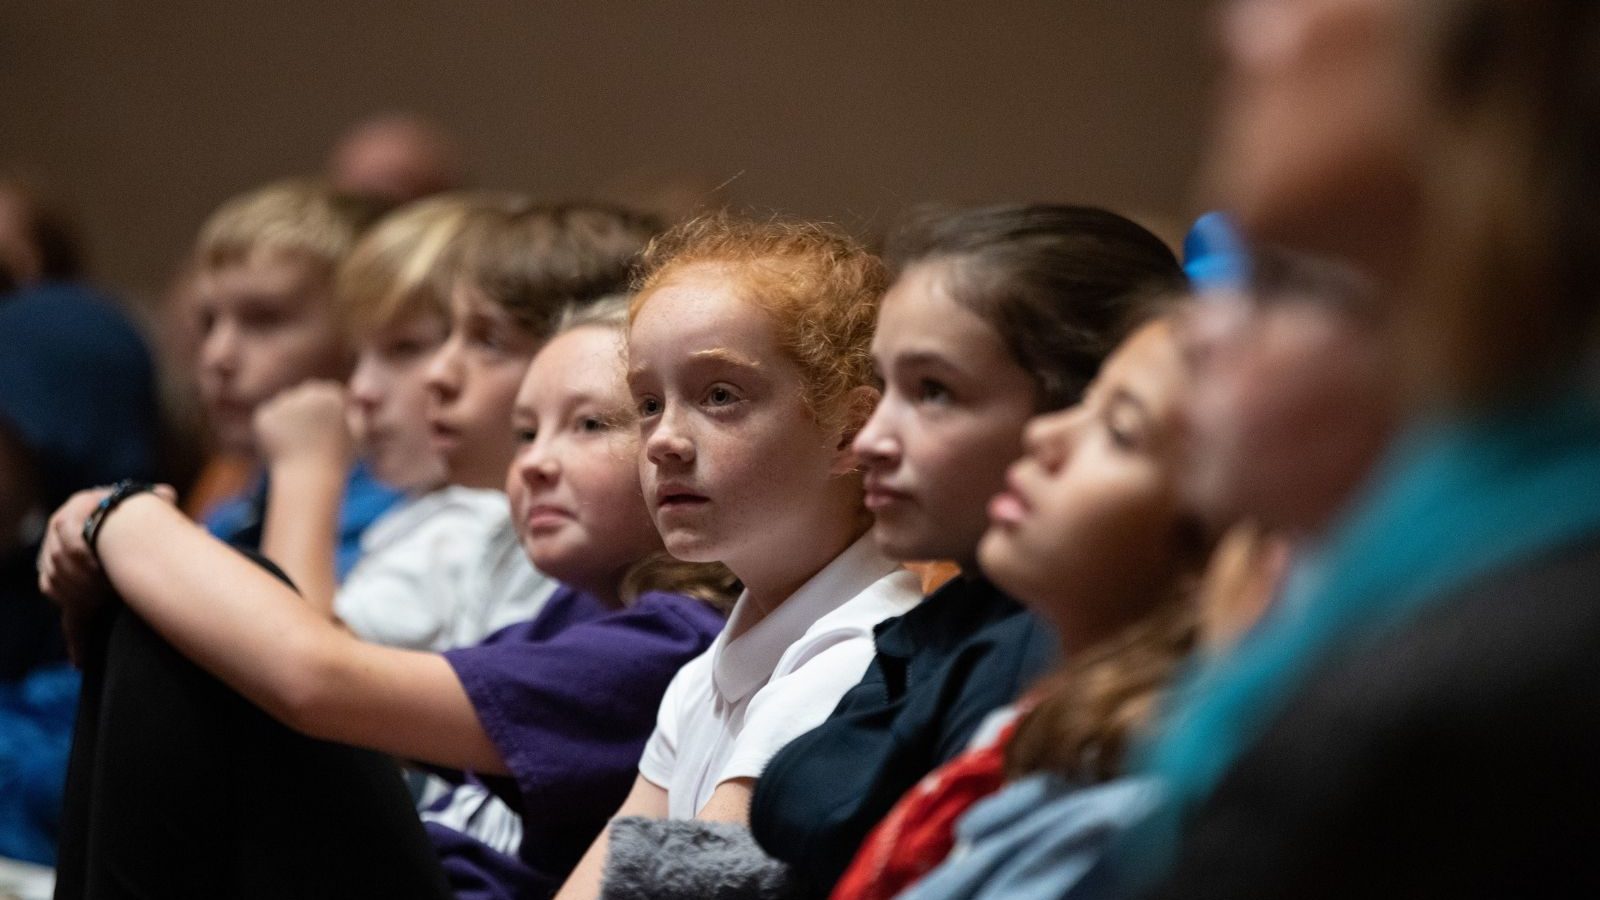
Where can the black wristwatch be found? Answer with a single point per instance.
(120, 491)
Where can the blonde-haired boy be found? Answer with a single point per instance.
(429, 576)
(264, 267)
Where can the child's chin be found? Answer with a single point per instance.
(691, 548)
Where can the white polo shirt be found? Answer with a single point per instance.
(440, 571)
(731, 708)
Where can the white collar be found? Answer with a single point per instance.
(743, 664)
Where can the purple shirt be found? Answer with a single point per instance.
(569, 698)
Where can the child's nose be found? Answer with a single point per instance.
(875, 444)
(219, 351)
(668, 442)
(443, 375)
(537, 466)
(1049, 438)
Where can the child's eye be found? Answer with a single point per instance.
(405, 349)
(261, 319)
(930, 391)
(526, 435)
(649, 407)
(591, 423)
(720, 395)
(1123, 432)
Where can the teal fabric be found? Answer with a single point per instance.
(1455, 501)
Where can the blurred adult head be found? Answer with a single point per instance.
(397, 157)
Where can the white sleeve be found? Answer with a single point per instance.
(798, 701)
(408, 593)
(661, 751)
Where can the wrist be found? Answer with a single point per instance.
(130, 517)
(312, 468)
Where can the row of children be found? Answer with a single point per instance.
(772, 416)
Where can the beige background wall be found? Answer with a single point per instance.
(147, 114)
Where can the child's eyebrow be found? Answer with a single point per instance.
(928, 359)
(722, 354)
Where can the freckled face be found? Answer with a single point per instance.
(949, 423)
(733, 464)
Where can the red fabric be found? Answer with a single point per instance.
(920, 831)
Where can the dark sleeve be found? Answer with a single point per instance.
(1456, 758)
(822, 794)
(571, 714)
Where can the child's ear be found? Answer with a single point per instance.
(858, 407)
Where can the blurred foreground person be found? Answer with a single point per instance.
(1417, 720)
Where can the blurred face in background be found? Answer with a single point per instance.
(1313, 144)
(389, 399)
(472, 381)
(265, 324)
(1290, 407)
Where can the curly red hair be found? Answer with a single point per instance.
(820, 287)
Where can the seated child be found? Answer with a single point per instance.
(1090, 531)
(443, 569)
(183, 788)
(1290, 347)
(995, 315)
(264, 268)
(748, 355)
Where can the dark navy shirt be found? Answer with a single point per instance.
(940, 670)
(569, 698)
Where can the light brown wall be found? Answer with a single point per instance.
(150, 113)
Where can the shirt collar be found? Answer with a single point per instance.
(951, 614)
(743, 664)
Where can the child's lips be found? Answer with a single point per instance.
(675, 497)
(444, 436)
(879, 497)
(230, 408)
(1010, 506)
(543, 516)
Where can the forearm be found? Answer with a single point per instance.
(247, 628)
(644, 799)
(301, 531)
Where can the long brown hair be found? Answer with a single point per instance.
(1094, 708)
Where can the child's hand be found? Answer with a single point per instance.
(69, 572)
(307, 422)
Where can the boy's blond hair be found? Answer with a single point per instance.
(401, 268)
(298, 216)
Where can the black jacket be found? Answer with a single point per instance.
(1458, 757)
(940, 670)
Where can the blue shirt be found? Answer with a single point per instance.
(1037, 838)
(238, 520)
